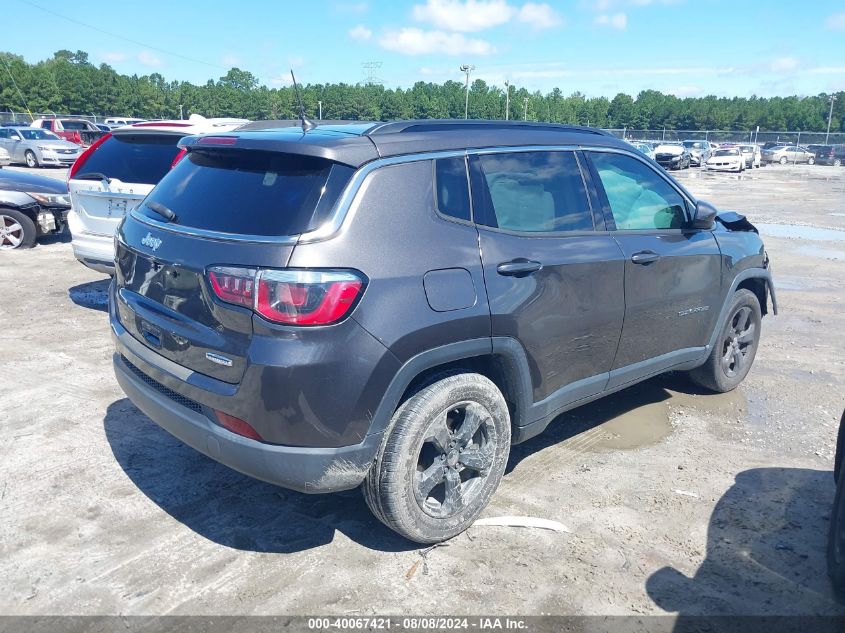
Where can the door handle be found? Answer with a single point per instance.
(519, 267)
(645, 257)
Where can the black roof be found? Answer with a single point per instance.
(356, 143)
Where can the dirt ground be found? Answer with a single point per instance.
(674, 500)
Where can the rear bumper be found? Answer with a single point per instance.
(92, 250)
(310, 470)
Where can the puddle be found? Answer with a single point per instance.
(801, 231)
(640, 416)
(823, 253)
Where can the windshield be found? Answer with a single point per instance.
(727, 152)
(694, 144)
(75, 125)
(38, 135)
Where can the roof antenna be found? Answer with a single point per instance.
(306, 124)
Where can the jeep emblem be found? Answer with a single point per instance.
(151, 242)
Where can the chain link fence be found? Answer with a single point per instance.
(731, 136)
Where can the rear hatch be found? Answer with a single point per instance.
(234, 210)
(116, 175)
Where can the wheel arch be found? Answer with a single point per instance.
(500, 359)
(757, 280)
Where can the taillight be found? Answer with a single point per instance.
(179, 156)
(291, 297)
(233, 285)
(84, 156)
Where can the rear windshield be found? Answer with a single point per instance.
(250, 193)
(137, 158)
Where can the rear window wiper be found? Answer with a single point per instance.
(162, 210)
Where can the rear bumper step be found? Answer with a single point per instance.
(309, 470)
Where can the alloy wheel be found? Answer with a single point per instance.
(454, 460)
(738, 341)
(11, 232)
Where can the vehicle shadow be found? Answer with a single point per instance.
(232, 509)
(766, 548)
(93, 294)
(588, 416)
(56, 238)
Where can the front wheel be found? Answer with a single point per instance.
(30, 158)
(837, 162)
(836, 537)
(442, 460)
(733, 354)
(16, 230)
(783, 160)
(811, 161)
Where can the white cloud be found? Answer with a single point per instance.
(280, 80)
(617, 20)
(114, 56)
(360, 33)
(539, 16)
(836, 22)
(413, 41)
(783, 64)
(229, 60)
(148, 58)
(685, 91)
(465, 17)
(294, 61)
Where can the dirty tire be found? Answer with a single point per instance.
(735, 348)
(424, 445)
(836, 539)
(17, 230)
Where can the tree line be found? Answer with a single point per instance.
(69, 83)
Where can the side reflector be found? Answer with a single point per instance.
(236, 425)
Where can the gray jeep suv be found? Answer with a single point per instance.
(392, 305)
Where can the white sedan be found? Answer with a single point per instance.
(5, 159)
(726, 159)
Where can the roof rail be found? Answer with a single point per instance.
(443, 125)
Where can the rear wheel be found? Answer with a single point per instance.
(837, 162)
(443, 459)
(16, 230)
(836, 538)
(811, 160)
(783, 160)
(733, 354)
(30, 158)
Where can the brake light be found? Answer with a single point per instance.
(179, 156)
(236, 425)
(217, 140)
(84, 156)
(290, 297)
(233, 285)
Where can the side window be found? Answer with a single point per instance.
(532, 192)
(639, 198)
(4, 133)
(450, 184)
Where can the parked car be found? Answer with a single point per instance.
(115, 173)
(836, 533)
(829, 154)
(5, 158)
(784, 154)
(120, 121)
(271, 308)
(752, 154)
(644, 148)
(699, 151)
(103, 127)
(35, 147)
(726, 159)
(30, 206)
(672, 156)
(79, 131)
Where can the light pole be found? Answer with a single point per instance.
(525, 109)
(320, 106)
(180, 112)
(507, 99)
(466, 68)
(829, 117)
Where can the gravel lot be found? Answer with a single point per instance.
(675, 500)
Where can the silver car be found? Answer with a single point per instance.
(784, 154)
(36, 147)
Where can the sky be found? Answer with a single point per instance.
(598, 47)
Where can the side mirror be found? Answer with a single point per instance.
(705, 216)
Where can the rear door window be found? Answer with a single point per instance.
(450, 181)
(250, 193)
(134, 158)
(531, 192)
